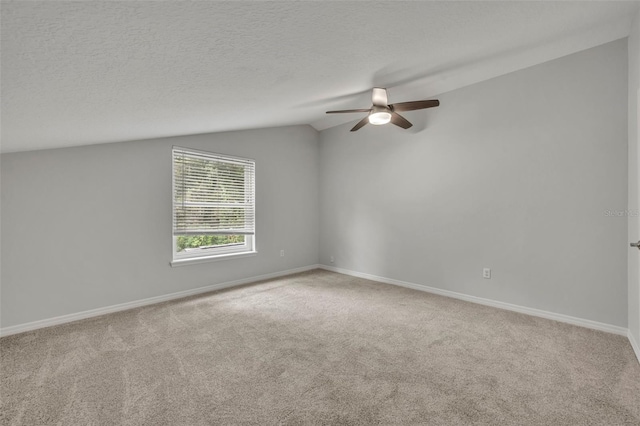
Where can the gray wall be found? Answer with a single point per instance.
(515, 174)
(90, 227)
(634, 180)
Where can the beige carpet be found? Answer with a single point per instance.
(318, 348)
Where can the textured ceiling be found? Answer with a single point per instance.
(77, 73)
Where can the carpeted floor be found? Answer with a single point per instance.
(318, 348)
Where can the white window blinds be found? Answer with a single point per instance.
(212, 194)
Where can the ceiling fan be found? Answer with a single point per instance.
(383, 113)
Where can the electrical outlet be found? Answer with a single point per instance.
(332, 259)
(281, 253)
(486, 273)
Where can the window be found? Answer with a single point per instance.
(213, 205)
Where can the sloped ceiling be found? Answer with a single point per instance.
(78, 73)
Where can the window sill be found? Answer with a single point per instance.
(215, 258)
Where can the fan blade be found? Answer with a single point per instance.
(400, 121)
(348, 110)
(379, 97)
(411, 106)
(360, 123)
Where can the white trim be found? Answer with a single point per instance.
(488, 302)
(21, 328)
(212, 258)
(634, 345)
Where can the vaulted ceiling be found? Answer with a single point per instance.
(78, 73)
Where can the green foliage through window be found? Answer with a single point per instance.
(198, 241)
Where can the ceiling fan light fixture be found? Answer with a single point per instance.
(381, 112)
(379, 116)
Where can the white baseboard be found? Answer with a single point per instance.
(634, 345)
(21, 328)
(488, 302)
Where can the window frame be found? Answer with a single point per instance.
(222, 252)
